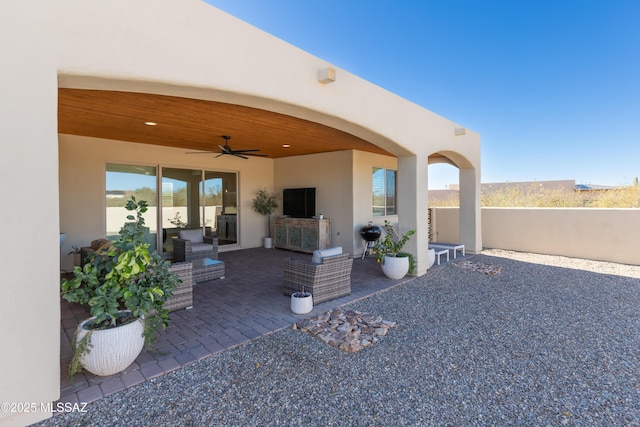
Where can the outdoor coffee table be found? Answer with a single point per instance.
(207, 269)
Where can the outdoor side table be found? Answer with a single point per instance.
(207, 269)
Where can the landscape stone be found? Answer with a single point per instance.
(348, 330)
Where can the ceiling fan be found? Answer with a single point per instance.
(226, 149)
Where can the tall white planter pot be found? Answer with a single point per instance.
(301, 302)
(268, 242)
(431, 258)
(112, 350)
(395, 267)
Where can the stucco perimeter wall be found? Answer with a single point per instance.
(82, 183)
(597, 234)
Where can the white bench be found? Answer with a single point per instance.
(454, 247)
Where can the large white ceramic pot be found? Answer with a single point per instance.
(112, 350)
(395, 267)
(301, 302)
(431, 258)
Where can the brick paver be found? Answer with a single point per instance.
(245, 305)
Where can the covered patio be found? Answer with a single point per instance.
(246, 304)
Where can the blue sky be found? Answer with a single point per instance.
(551, 86)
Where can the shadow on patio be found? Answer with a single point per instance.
(245, 305)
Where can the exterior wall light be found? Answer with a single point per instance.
(327, 75)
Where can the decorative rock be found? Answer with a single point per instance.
(487, 269)
(349, 330)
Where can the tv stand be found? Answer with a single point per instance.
(301, 234)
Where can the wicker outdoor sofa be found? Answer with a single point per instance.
(325, 281)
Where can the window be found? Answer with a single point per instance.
(124, 181)
(384, 192)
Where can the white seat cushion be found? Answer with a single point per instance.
(319, 254)
(194, 236)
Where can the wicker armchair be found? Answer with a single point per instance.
(328, 280)
(191, 245)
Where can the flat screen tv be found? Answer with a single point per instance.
(299, 202)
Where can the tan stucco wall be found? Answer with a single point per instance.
(29, 308)
(343, 182)
(172, 47)
(330, 174)
(82, 183)
(446, 225)
(597, 234)
(112, 51)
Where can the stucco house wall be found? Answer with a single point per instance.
(82, 183)
(171, 47)
(330, 174)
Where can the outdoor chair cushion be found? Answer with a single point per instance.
(200, 247)
(194, 236)
(319, 254)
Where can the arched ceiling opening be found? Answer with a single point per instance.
(195, 124)
(451, 158)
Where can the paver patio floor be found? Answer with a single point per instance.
(246, 304)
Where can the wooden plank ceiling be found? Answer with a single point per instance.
(195, 124)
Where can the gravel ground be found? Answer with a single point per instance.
(548, 341)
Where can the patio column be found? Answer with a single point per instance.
(470, 212)
(412, 207)
(30, 290)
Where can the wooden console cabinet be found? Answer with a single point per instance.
(301, 234)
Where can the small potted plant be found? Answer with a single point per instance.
(265, 203)
(301, 302)
(75, 252)
(125, 286)
(395, 263)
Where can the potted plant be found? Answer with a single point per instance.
(395, 263)
(125, 286)
(301, 302)
(75, 252)
(265, 203)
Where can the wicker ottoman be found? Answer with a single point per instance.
(183, 295)
(207, 269)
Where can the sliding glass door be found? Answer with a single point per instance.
(192, 198)
(189, 198)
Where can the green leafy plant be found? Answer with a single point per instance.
(177, 221)
(124, 276)
(388, 246)
(265, 203)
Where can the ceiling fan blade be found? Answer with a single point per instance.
(241, 156)
(221, 154)
(256, 154)
(246, 151)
